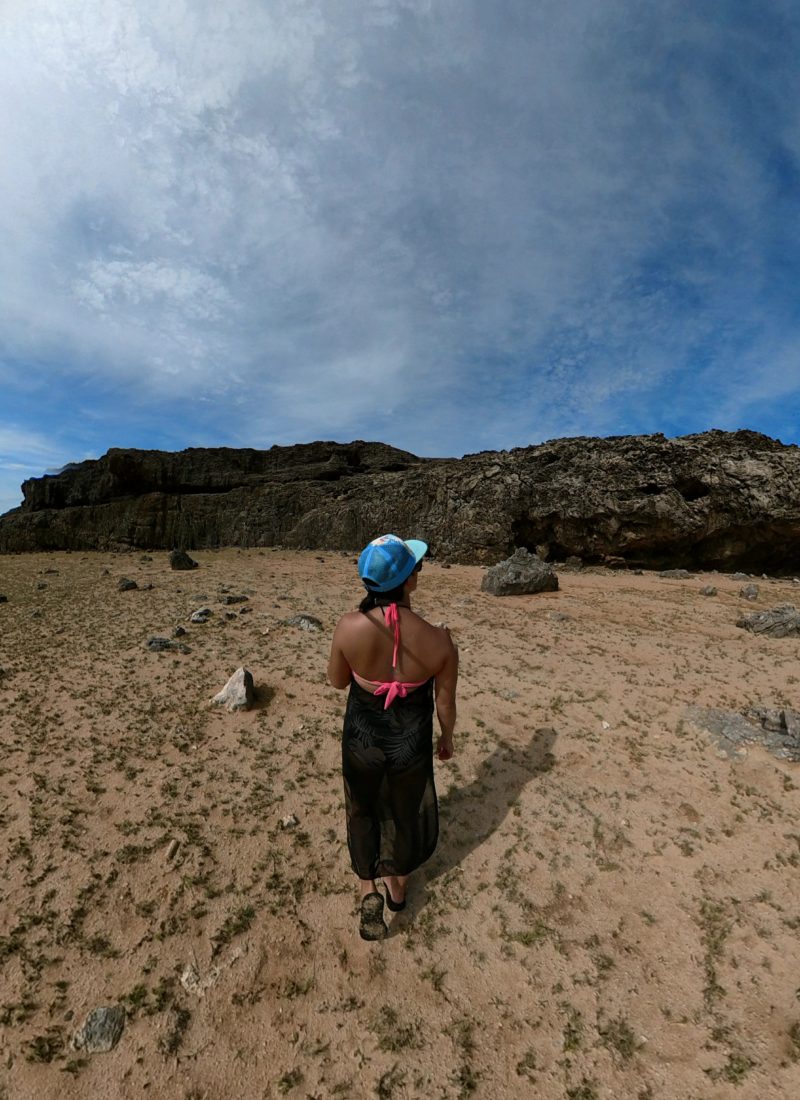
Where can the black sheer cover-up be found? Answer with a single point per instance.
(390, 797)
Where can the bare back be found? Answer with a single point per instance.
(367, 643)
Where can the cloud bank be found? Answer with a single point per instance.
(449, 225)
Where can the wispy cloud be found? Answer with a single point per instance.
(451, 225)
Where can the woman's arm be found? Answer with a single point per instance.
(339, 672)
(446, 681)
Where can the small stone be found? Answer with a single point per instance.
(290, 821)
(202, 615)
(173, 847)
(41, 585)
(675, 574)
(304, 622)
(749, 592)
(574, 562)
(101, 1031)
(160, 645)
(740, 577)
(179, 559)
(238, 693)
(145, 557)
(235, 599)
(3, 599)
(559, 616)
(605, 725)
(193, 983)
(52, 572)
(105, 573)
(126, 585)
(638, 572)
(708, 590)
(179, 631)
(446, 565)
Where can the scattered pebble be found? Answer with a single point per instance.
(193, 983)
(304, 622)
(101, 1031)
(160, 645)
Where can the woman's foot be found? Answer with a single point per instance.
(372, 926)
(396, 892)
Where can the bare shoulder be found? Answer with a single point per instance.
(349, 622)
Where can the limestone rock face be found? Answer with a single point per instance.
(520, 575)
(718, 500)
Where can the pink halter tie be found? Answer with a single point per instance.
(391, 617)
(394, 689)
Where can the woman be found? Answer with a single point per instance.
(395, 665)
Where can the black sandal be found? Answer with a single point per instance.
(395, 906)
(372, 925)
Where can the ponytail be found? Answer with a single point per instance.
(382, 599)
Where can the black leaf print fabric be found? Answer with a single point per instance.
(390, 798)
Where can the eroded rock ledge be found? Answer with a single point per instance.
(725, 500)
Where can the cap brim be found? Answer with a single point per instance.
(417, 547)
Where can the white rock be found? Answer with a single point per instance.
(239, 692)
(193, 983)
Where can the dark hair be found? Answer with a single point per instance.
(382, 599)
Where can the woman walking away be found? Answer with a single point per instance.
(395, 664)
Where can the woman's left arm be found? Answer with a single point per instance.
(339, 673)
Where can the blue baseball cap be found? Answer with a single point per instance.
(388, 561)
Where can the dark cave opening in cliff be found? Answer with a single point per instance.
(763, 548)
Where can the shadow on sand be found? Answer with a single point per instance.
(469, 815)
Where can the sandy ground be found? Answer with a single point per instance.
(612, 912)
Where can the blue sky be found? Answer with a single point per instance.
(450, 225)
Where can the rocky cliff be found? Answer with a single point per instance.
(715, 500)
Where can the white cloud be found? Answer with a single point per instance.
(338, 216)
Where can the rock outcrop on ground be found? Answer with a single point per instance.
(726, 500)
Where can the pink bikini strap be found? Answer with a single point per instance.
(392, 618)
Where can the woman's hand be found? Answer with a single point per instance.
(444, 747)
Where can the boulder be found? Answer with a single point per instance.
(779, 622)
(520, 575)
(179, 559)
(238, 693)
